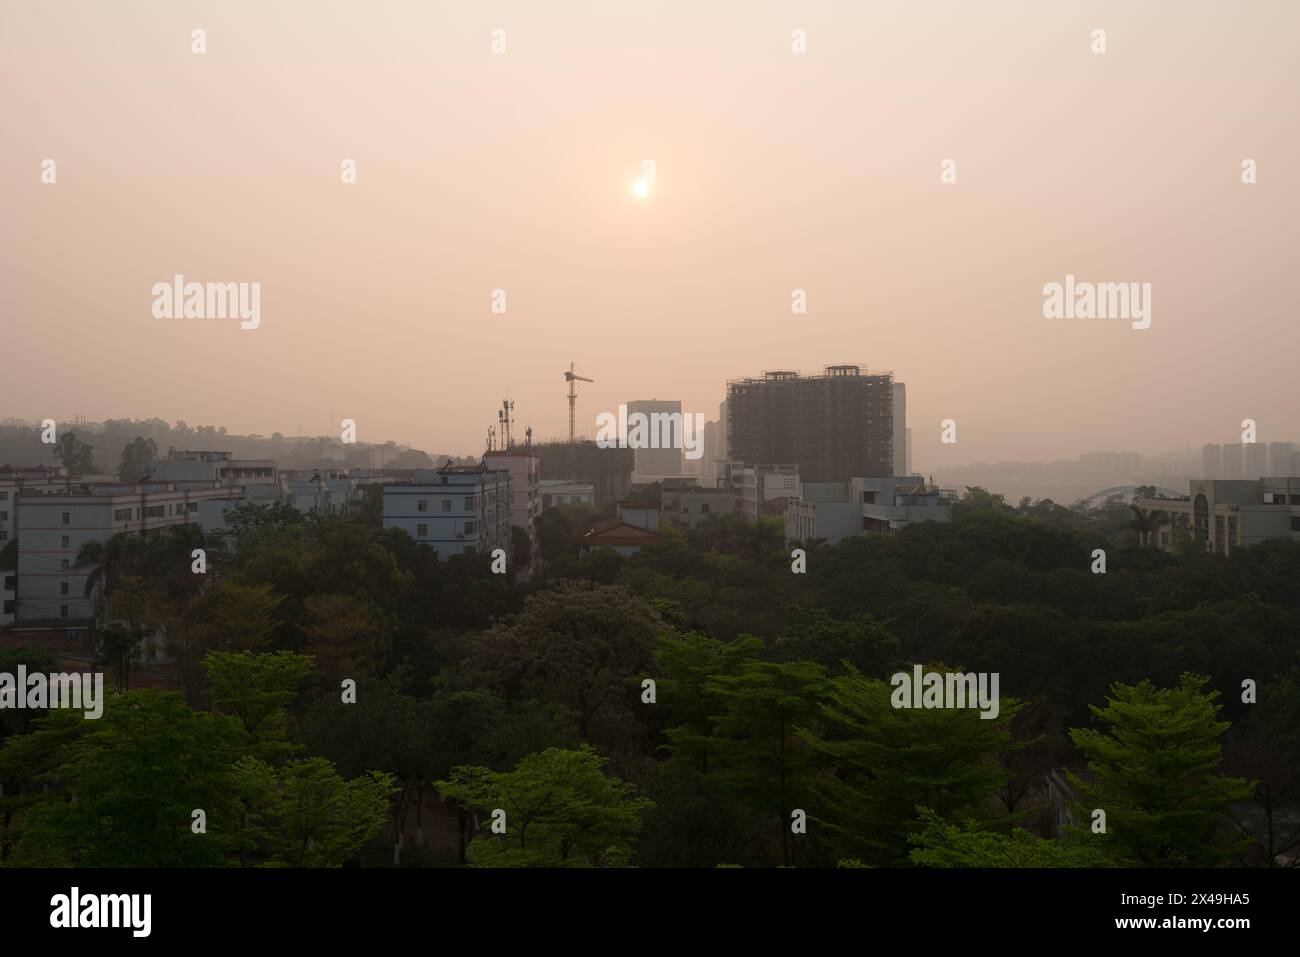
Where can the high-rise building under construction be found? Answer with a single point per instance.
(835, 426)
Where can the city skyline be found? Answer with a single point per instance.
(479, 171)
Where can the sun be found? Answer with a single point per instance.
(641, 189)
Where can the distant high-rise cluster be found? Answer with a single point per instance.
(1250, 460)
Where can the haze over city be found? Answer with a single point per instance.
(774, 172)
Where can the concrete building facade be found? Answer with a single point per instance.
(457, 510)
(1227, 514)
(831, 426)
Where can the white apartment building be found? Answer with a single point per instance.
(55, 523)
(14, 480)
(524, 467)
(453, 510)
(832, 511)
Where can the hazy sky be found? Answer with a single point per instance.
(774, 171)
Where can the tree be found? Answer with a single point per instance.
(881, 764)
(943, 844)
(258, 689)
(127, 785)
(1155, 775)
(136, 459)
(339, 637)
(317, 819)
(384, 730)
(688, 665)
(585, 649)
(244, 615)
(119, 642)
(1146, 523)
(1266, 745)
(813, 635)
(76, 457)
(761, 758)
(561, 810)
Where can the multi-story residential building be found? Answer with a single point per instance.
(653, 463)
(56, 523)
(211, 466)
(454, 510)
(764, 489)
(14, 479)
(523, 466)
(831, 426)
(8, 596)
(899, 438)
(699, 506)
(559, 492)
(830, 512)
(1226, 514)
(608, 470)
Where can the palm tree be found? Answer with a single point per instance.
(1146, 522)
(108, 561)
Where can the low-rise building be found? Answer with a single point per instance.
(765, 489)
(555, 492)
(212, 466)
(832, 511)
(1226, 514)
(454, 510)
(697, 507)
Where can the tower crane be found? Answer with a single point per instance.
(573, 379)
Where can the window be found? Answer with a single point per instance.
(63, 588)
(63, 611)
(63, 565)
(67, 518)
(469, 503)
(704, 508)
(4, 516)
(4, 536)
(4, 496)
(422, 531)
(155, 511)
(122, 514)
(446, 505)
(71, 634)
(65, 541)
(1295, 523)
(191, 506)
(422, 505)
(470, 528)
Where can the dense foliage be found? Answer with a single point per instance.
(695, 704)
